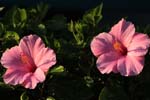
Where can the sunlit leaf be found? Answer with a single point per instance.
(71, 26)
(41, 26)
(1, 8)
(23, 14)
(11, 35)
(50, 98)
(57, 69)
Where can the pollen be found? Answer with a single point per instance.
(120, 48)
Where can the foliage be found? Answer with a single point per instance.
(75, 76)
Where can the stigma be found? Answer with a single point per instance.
(28, 62)
(120, 48)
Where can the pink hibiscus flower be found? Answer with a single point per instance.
(27, 63)
(121, 50)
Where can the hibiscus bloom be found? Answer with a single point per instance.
(27, 63)
(121, 50)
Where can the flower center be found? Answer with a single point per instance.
(28, 62)
(120, 48)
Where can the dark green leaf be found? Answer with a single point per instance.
(89, 81)
(19, 18)
(42, 10)
(93, 16)
(3, 85)
(2, 29)
(113, 93)
(24, 96)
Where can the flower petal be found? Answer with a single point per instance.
(139, 45)
(31, 44)
(123, 31)
(30, 81)
(13, 76)
(11, 58)
(107, 62)
(26, 75)
(45, 58)
(130, 65)
(34, 47)
(100, 43)
(39, 75)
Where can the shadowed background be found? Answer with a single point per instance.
(136, 10)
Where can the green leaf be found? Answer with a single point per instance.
(71, 26)
(113, 93)
(19, 18)
(2, 28)
(89, 81)
(16, 17)
(24, 96)
(50, 98)
(93, 16)
(57, 44)
(57, 69)
(88, 18)
(77, 30)
(41, 26)
(42, 7)
(42, 10)
(23, 14)
(11, 35)
(32, 10)
(78, 27)
(3, 85)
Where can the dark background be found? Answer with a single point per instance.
(138, 11)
